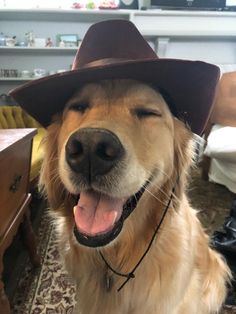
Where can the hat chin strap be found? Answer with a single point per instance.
(131, 274)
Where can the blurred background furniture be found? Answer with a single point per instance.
(15, 157)
(14, 117)
(219, 160)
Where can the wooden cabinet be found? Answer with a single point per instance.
(15, 157)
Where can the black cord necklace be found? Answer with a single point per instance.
(131, 274)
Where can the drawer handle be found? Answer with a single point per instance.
(16, 183)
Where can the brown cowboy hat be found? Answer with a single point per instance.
(115, 49)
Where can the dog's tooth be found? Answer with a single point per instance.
(115, 216)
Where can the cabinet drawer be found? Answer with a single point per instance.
(14, 175)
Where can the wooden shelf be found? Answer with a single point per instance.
(80, 15)
(41, 49)
(14, 79)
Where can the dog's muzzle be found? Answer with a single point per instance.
(93, 153)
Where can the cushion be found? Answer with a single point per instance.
(37, 154)
(12, 117)
(221, 143)
(7, 119)
(29, 121)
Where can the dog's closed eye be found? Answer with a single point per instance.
(79, 107)
(142, 113)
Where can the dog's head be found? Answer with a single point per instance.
(114, 140)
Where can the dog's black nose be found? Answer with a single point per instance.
(92, 151)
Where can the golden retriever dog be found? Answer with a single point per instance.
(115, 173)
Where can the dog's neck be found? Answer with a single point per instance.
(119, 262)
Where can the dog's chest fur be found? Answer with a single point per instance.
(167, 285)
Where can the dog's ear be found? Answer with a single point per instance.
(183, 151)
(50, 184)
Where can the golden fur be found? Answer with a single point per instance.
(180, 274)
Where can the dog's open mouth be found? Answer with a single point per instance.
(99, 218)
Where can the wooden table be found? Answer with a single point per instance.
(15, 159)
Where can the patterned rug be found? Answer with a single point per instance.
(49, 290)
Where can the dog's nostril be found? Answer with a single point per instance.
(106, 151)
(75, 148)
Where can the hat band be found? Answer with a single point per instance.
(100, 62)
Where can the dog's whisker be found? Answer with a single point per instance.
(168, 176)
(55, 175)
(160, 189)
(134, 195)
(157, 198)
(55, 179)
(174, 196)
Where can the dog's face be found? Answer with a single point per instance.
(115, 139)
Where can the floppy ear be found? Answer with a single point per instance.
(50, 184)
(183, 152)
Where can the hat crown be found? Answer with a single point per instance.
(106, 41)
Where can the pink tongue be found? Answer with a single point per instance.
(96, 213)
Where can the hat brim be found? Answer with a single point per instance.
(190, 84)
